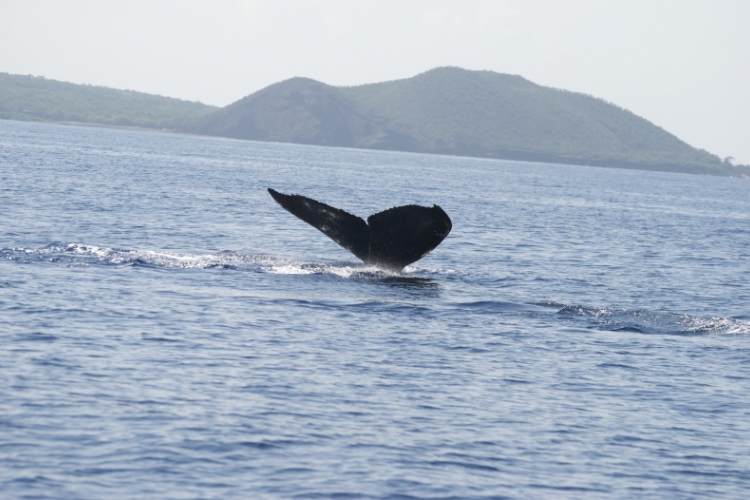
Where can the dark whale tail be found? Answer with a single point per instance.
(393, 238)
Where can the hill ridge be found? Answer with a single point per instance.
(36, 98)
(445, 110)
(450, 110)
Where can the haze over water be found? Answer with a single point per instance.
(168, 331)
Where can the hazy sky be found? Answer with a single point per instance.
(684, 65)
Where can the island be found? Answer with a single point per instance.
(447, 110)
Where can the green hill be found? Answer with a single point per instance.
(445, 110)
(36, 98)
(460, 112)
(298, 110)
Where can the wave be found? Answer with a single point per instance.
(411, 278)
(644, 321)
(614, 319)
(82, 255)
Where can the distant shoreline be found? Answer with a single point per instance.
(445, 111)
(645, 168)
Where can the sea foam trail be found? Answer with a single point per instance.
(644, 321)
(82, 255)
(600, 318)
(614, 319)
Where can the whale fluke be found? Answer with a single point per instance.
(393, 238)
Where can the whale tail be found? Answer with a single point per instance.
(392, 239)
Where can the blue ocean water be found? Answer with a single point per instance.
(168, 331)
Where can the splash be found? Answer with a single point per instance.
(644, 321)
(82, 255)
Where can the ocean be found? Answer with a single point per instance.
(169, 332)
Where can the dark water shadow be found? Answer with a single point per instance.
(412, 286)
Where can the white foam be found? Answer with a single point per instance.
(347, 271)
(290, 269)
(718, 326)
(84, 255)
(662, 321)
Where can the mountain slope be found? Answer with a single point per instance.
(35, 98)
(455, 111)
(444, 110)
(481, 113)
(298, 110)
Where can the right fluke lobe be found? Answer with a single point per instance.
(392, 239)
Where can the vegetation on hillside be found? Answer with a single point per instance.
(483, 113)
(460, 112)
(37, 98)
(445, 110)
(299, 110)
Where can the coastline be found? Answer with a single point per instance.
(509, 155)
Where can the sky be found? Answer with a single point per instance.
(683, 65)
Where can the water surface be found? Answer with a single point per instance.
(168, 331)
